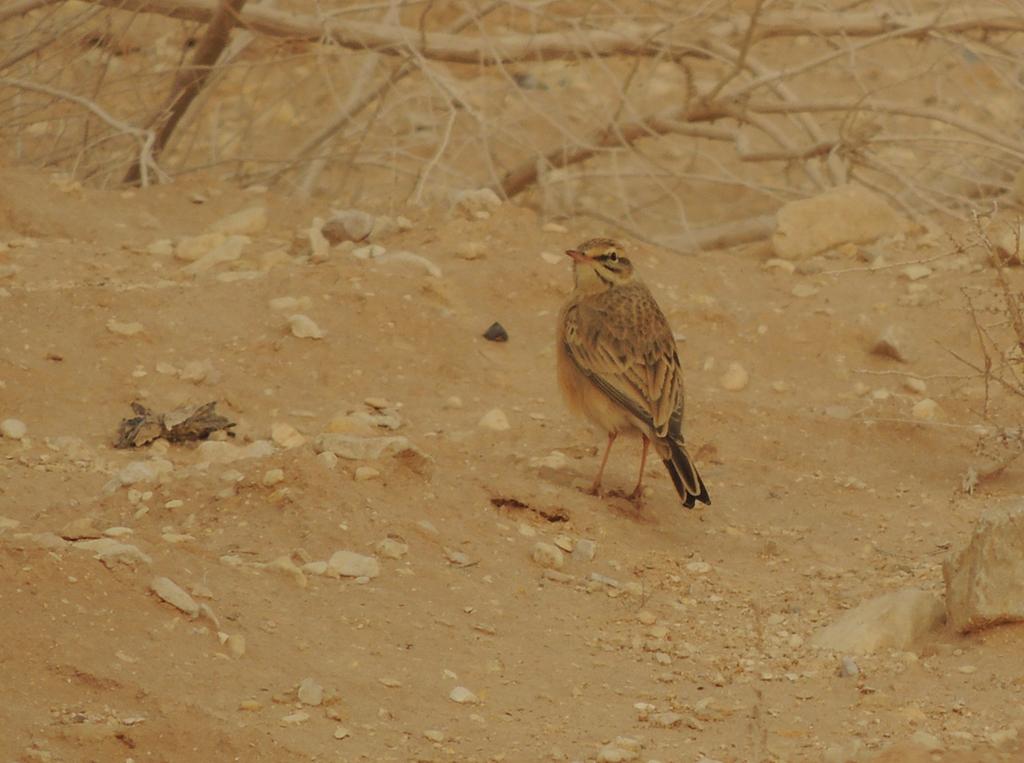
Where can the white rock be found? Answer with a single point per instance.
(236, 645)
(108, 550)
(803, 290)
(247, 222)
(412, 258)
(124, 328)
(985, 579)
(285, 435)
(228, 250)
(889, 344)
(913, 384)
(463, 696)
(548, 555)
(391, 548)
(352, 565)
(192, 248)
(163, 247)
(304, 327)
(612, 753)
(364, 473)
(341, 732)
(470, 250)
(294, 719)
(892, 621)
(272, 477)
(327, 459)
(698, 568)
(139, 472)
(495, 419)
(290, 303)
(369, 252)
(13, 429)
(735, 378)
(925, 410)
(585, 549)
(474, 201)
(173, 594)
(916, 272)
(666, 720)
(315, 568)
(434, 735)
(849, 213)
(348, 225)
(357, 448)
(310, 692)
(555, 460)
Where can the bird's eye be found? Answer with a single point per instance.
(613, 257)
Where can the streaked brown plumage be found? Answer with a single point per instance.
(618, 365)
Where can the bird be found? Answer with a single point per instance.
(618, 365)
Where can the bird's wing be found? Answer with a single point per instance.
(624, 345)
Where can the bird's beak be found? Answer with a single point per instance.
(577, 255)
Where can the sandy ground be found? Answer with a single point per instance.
(824, 495)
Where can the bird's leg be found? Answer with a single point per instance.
(638, 491)
(595, 489)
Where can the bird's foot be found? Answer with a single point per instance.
(595, 490)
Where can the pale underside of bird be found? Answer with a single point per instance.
(618, 366)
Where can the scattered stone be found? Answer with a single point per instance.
(295, 719)
(173, 594)
(848, 667)
(342, 733)
(916, 272)
(131, 328)
(666, 720)
(79, 529)
(328, 459)
(390, 683)
(913, 384)
(558, 577)
(554, 228)
(286, 436)
(246, 222)
(364, 473)
(457, 558)
(217, 452)
(778, 264)
(110, 551)
(849, 213)
(985, 579)
(585, 549)
(227, 251)
(13, 429)
(391, 548)
(193, 248)
(735, 378)
(476, 203)
(250, 705)
(348, 225)
(620, 750)
(290, 568)
(434, 736)
(496, 333)
(463, 696)
(304, 327)
(272, 477)
(803, 290)
(894, 621)
(495, 419)
(357, 448)
(470, 250)
(352, 565)
(236, 645)
(548, 555)
(925, 410)
(453, 403)
(889, 344)
(310, 692)
(565, 543)
(646, 617)
(319, 246)
(698, 568)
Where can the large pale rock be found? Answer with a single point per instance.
(349, 564)
(848, 214)
(892, 621)
(358, 448)
(985, 580)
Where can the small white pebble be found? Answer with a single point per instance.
(735, 378)
(364, 473)
(925, 410)
(495, 419)
(272, 477)
(463, 696)
(13, 429)
(304, 327)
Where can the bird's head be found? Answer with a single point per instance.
(598, 265)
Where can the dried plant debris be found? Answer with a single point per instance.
(180, 425)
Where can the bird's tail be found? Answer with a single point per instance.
(684, 475)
